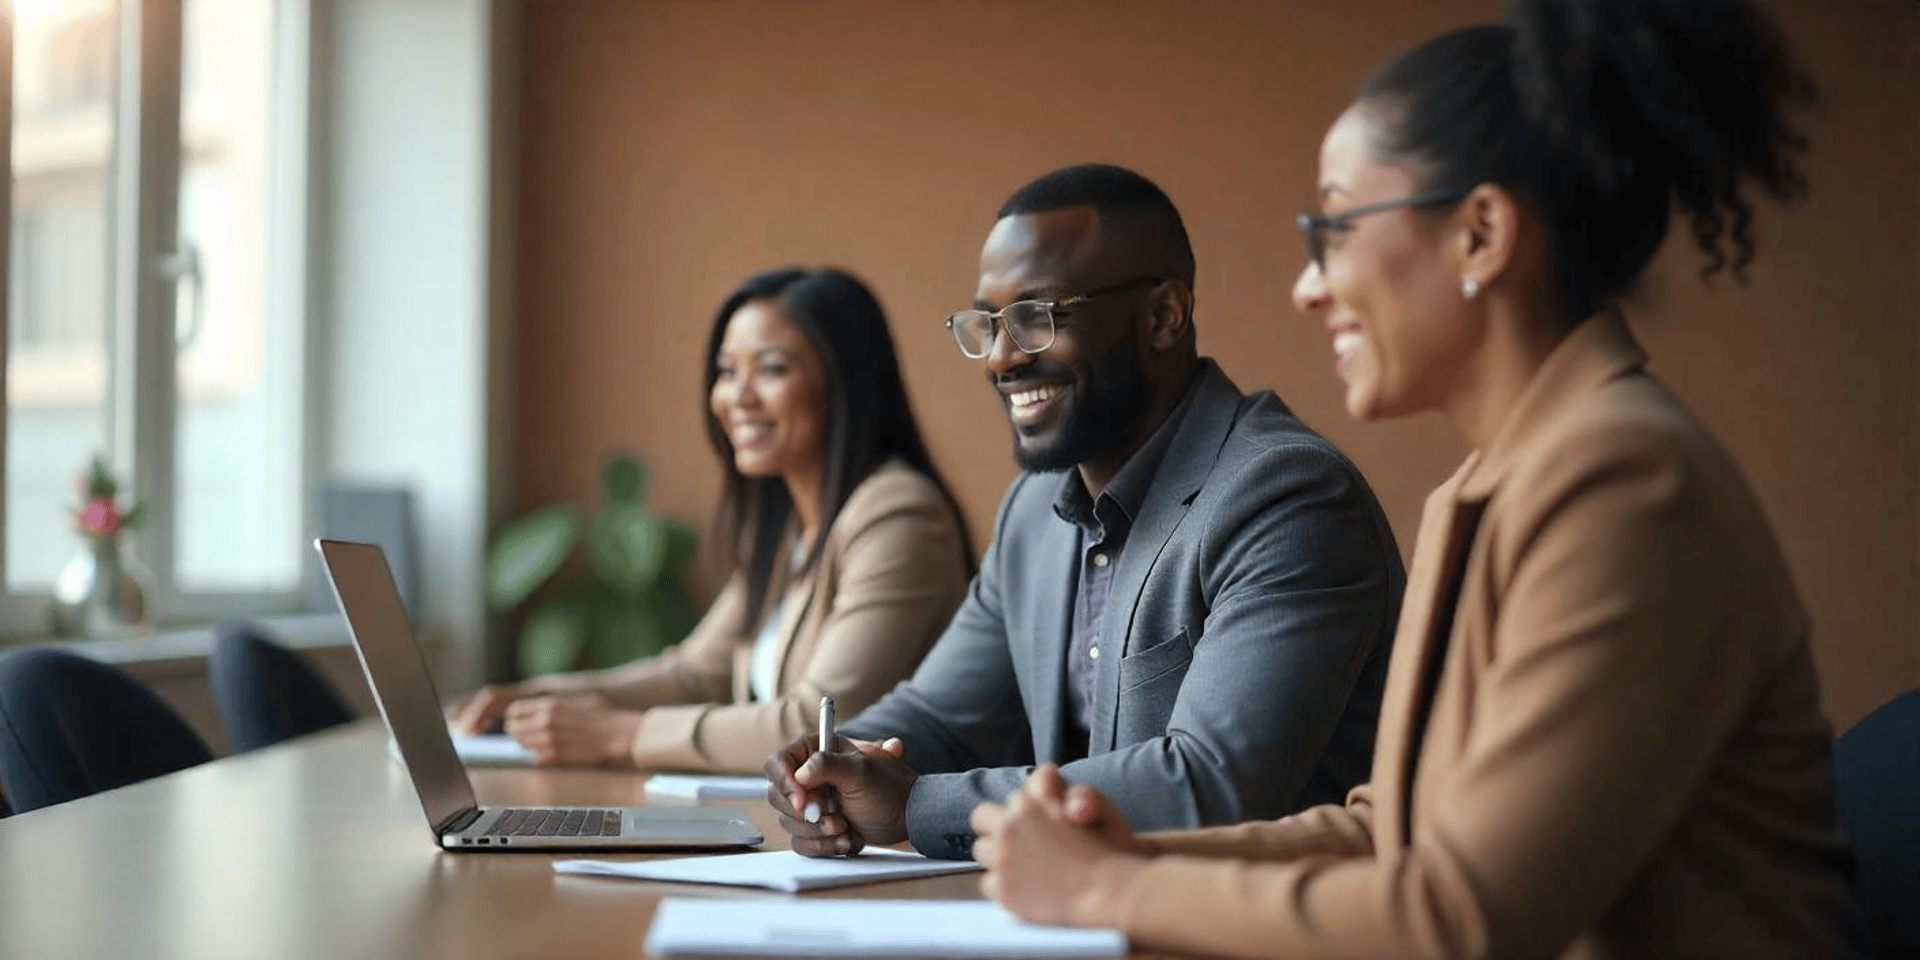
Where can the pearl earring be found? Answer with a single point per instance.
(1469, 288)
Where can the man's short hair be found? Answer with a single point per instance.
(1120, 196)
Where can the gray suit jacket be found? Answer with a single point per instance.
(1256, 597)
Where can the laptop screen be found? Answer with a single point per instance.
(397, 673)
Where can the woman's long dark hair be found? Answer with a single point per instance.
(869, 421)
(1604, 115)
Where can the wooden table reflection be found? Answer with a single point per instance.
(318, 849)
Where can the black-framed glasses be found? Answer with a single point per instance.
(1029, 323)
(1314, 226)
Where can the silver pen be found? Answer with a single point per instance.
(812, 812)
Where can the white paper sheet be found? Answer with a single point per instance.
(689, 927)
(774, 869)
(490, 749)
(686, 786)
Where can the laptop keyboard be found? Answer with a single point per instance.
(534, 822)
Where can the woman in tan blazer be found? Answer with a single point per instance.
(849, 552)
(1602, 733)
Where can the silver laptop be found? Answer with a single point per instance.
(398, 676)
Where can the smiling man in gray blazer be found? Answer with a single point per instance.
(1190, 595)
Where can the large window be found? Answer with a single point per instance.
(155, 301)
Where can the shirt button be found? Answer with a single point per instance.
(1099, 559)
(1093, 653)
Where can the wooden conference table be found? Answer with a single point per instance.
(318, 848)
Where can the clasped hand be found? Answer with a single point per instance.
(857, 793)
(1057, 853)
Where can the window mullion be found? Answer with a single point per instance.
(146, 205)
(7, 626)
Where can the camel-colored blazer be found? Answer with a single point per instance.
(892, 573)
(1626, 755)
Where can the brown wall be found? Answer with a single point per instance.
(670, 148)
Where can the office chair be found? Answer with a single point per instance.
(265, 692)
(71, 727)
(1877, 769)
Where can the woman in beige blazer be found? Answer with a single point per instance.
(1602, 733)
(849, 552)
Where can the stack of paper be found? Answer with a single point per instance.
(691, 787)
(863, 928)
(774, 869)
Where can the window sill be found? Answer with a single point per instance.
(173, 664)
(311, 631)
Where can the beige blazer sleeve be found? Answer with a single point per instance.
(1341, 830)
(892, 575)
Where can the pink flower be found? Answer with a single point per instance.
(100, 517)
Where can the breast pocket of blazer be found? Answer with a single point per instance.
(1161, 666)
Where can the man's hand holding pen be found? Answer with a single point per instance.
(856, 791)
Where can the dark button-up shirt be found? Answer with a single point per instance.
(1104, 523)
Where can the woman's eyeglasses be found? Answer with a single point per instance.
(1315, 226)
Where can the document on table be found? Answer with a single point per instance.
(774, 869)
(704, 787)
(483, 750)
(491, 749)
(687, 927)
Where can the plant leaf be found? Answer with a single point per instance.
(623, 480)
(624, 631)
(683, 542)
(99, 481)
(527, 552)
(555, 637)
(673, 609)
(628, 547)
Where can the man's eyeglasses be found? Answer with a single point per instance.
(1315, 227)
(1029, 323)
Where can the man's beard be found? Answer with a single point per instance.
(1107, 405)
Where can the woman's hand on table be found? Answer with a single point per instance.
(573, 729)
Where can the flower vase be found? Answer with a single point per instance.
(103, 592)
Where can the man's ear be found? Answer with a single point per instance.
(1170, 314)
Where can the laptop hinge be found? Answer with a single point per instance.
(458, 822)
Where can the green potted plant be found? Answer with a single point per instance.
(627, 601)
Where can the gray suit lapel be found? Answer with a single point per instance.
(1048, 637)
(1183, 471)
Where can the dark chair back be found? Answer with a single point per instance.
(1877, 764)
(266, 692)
(75, 726)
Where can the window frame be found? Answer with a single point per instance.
(144, 185)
